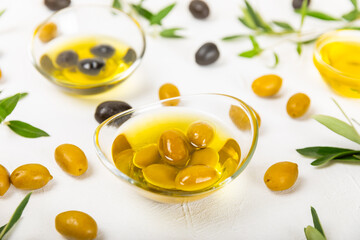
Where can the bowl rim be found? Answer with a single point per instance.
(114, 80)
(177, 193)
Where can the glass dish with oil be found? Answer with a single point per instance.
(88, 49)
(336, 56)
(179, 153)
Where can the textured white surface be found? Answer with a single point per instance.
(245, 209)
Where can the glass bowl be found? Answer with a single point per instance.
(332, 61)
(90, 21)
(216, 106)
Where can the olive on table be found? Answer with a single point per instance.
(200, 134)
(4, 180)
(199, 9)
(146, 156)
(206, 156)
(76, 225)
(267, 85)
(91, 66)
(281, 176)
(57, 4)
(169, 90)
(207, 54)
(231, 149)
(160, 175)
(298, 3)
(47, 32)
(67, 58)
(130, 56)
(103, 50)
(71, 159)
(297, 105)
(197, 177)
(174, 148)
(110, 108)
(240, 119)
(30, 176)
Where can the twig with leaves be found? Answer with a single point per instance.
(316, 232)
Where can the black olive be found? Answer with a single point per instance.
(207, 54)
(91, 66)
(57, 4)
(130, 56)
(110, 108)
(199, 9)
(46, 64)
(67, 59)
(298, 3)
(103, 50)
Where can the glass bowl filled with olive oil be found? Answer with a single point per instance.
(336, 56)
(179, 149)
(87, 49)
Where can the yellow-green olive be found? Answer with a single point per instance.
(174, 148)
(48, 32)
(76, 225)
(297, 105)
(240, 119)
(206, 156)
(30, 176)
(267, 85)
(229, 166)
(146, 156)
(193, 178)
(120, 144)
(281, 176)
(161, 175)
(200, 134)
(169, 90)
(124, 160)
(4, 180)
(71, 159)
(231, 149)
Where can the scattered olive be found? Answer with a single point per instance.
(267, 85)
(103, 50)
(281, 176)
(169, 90)
(110, 108)
(71, 159)
(47, 64)
(200, 134)
(30, 176)
(240, 119)
(207, 54)
(67, 59)
(199, 9)
(90, 66)
(161, 175)
(4, 180)
(297, 105)
(130, 56)
(76, 225)
(57, 4)
(298, 3)
(47, 32)
(196, 177)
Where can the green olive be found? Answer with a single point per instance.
(174, 148)
(4, 180)
(71, 159)
(30, 176)
(267, 85)
(200, 134)
(281, 176)
(206, 156)
(47, 32)
(124, 161)
(231, 149)
(193, 178)
(120, 144)
(169, 90)
(76, 225)
(161, 175)
(297, 105)
(240, 119)
(146, 156)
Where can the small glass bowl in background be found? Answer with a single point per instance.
(216, 106)
(343, 83)
(90, 20)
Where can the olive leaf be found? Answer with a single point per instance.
(234, 37)
(117, 4)
(338, 156)
(247, 22)
(351, 28)
(318, 15)
(26, 130)
(354, 3)
(299, 48)
(2, 12)
(276, 60)
(157, 18)
(316, 152)
(256, 18)
(253, 52)
(284, 25)
(142, 11)
(171, 33)
(316, 221)
(351, 16)
(312, 233)
(7, 105)
(15, 217)
(303, 11)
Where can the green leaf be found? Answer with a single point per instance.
(356, 156)
(351, 16)
(7, 105)
(339, 127)
(284, 25)
(1, 228)
(250, 54)
(326, 159)
(354, 3)
(318, 15)
(2, 12)
(171, 33)
(142, 11)
(16, 215)
(299, 48)
(316, 152)
(308, 41)
(254, 43)
(276, 60)
(117, 4)
(234, 37)
(313, 234)
(22, 95)
(156, 19)
(256, 18)
(303, 11)
(352, 28)
(247, 23)
(26, 130)
(316, 221)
